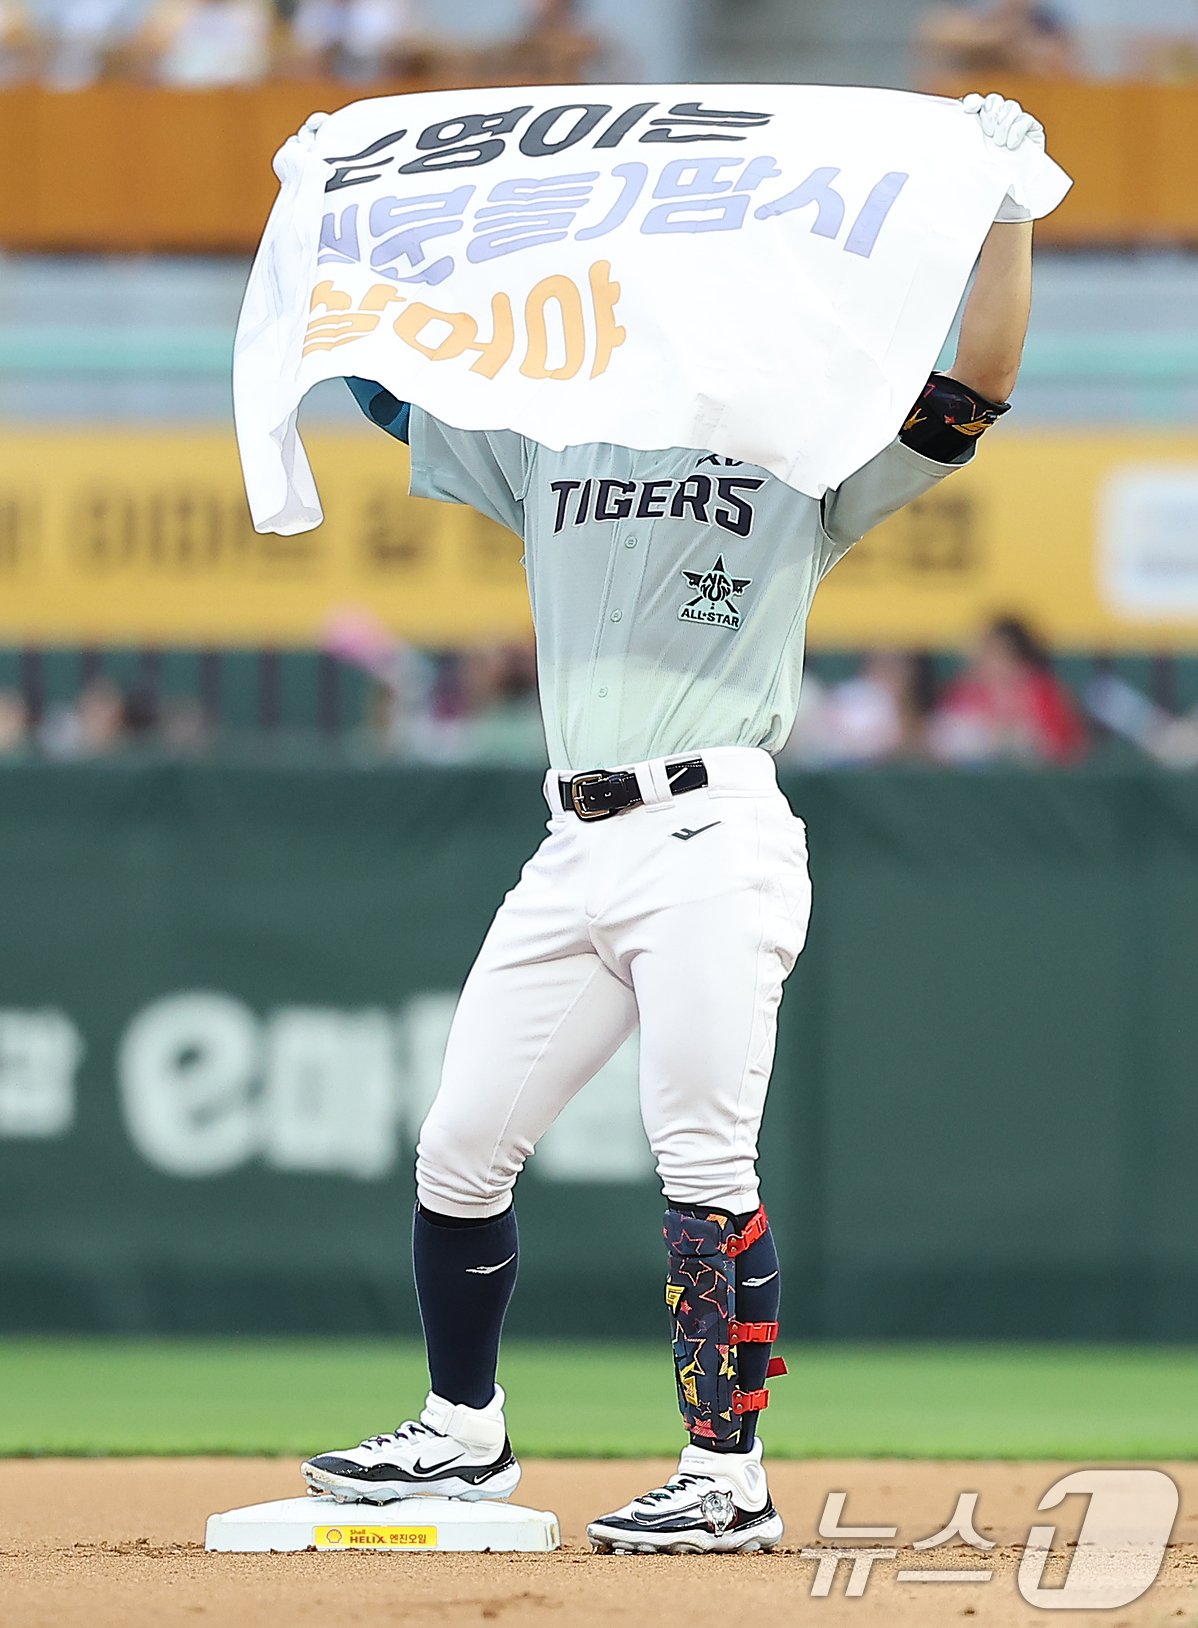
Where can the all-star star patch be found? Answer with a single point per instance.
(715, 592)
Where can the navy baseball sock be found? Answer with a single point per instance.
(465, 1274)
(757, 1297)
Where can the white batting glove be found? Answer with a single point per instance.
(1006, 124)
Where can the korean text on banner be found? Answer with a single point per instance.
(765, 272)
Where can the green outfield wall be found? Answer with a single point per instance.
(224, 994)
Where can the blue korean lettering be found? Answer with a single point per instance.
(339, 237)
(817, 189)
(864, 231)
(699, 200)
(520, 214)
(632, 178)
(403, 226)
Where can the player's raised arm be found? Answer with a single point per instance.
(994, 324)
(955, 408)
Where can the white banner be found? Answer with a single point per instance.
(765, 272)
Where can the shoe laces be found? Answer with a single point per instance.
(410, 1430)
(676, 1483)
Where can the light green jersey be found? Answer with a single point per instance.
(670, 590)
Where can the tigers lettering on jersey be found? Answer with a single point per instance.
(709, 500)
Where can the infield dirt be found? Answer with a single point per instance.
(119, 1544)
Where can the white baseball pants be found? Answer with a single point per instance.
(685, 916)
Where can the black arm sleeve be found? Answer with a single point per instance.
(381, 407)
(948, 418)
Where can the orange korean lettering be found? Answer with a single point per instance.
(341, 324)
(503, 339)
(564, 293)
(608, 333)
(462, 335)
(327, 298)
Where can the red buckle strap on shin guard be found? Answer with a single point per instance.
(750, 1401)
(752, 1333)
(756, 1227)
(755, 1401)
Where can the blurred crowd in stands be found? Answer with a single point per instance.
(1004, 704)
(1006, 36)
(188, 43)
(210, 43)
(999, 702)
(977, 39)
(972, 41)
(197, 43)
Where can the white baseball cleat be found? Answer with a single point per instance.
(449, 1452)
(714, 1503)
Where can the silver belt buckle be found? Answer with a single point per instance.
(588, 779)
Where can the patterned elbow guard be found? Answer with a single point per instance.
(947, 420)
(701, 1295)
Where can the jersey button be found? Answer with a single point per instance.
(602, 691)
(630, 542)
(617, 616)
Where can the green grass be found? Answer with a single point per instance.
(302, 1396)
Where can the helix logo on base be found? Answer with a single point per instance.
(375, 1537)
(1116, 1556)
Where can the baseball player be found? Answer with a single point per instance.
(670, 592)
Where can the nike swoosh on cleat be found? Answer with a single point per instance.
(498, 1267)
(367, 1475)
(649, 1523)
(421, 1468)
(686, 833)
(755, 1283)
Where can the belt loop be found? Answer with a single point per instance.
(652, 779)
(552, 792)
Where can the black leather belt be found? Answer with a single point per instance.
(600, 793)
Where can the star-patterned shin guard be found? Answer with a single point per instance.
(701, 1296)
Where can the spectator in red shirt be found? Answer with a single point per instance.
(1008, 704)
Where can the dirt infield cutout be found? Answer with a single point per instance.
(118, 1543)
